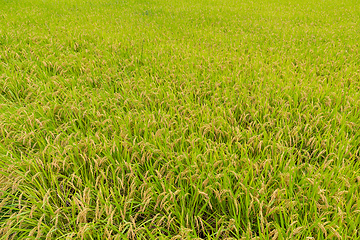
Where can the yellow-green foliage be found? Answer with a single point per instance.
(179, 119)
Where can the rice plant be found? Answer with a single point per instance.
(207, 119)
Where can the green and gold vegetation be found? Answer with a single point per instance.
(179, 119)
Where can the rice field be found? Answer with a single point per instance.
(154, 119)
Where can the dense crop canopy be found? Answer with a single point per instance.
(207, 119)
